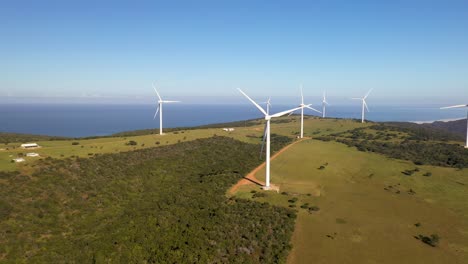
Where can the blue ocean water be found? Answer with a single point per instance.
(81, 120)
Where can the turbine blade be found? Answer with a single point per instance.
(367, 94)
(156, 113)
(263, 140)
(285, 112)
(302, 96)
(253, 102)
(454, 106)
(170, 101)
(313, 109)
(365, 104)
(154, 87)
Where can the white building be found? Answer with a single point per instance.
(18, 160)
(29, 145)
(228, 129)
(32, 154)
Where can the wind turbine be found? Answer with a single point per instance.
(160, 109)
(363, 99)
(267, 135)
(302, 106)
(324, 103)
(460, 106)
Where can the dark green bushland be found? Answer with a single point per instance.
(156, 205)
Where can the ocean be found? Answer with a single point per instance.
(83, 120)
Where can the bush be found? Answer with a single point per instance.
(75, 143)
(131, 143)
(313, 209)
(431, 240)
(259, 194)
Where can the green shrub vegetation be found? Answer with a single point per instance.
(6, 138)
(154, 205)
(420, 145)
(431, 240)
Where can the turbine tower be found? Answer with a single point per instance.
(461, 106)
(267, 134)
(364, 104)
(302, 106)
(324, 104)
(160, 110)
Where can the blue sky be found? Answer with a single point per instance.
(414, 49)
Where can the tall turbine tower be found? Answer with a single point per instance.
(324, 104)
(460, 106)
(160, 110)
(302, 106)
(267, 134)
(364, 104)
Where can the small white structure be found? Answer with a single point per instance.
(29, 145)
(228, 129)
(17, 160)
(32, 154)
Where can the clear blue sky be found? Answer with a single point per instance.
(205, 48)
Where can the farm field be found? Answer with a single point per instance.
(368, 210)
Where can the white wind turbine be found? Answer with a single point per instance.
(160, 109)
(364, 104)
(302, 106)
(324, 104)
(460, 106)
(267, 135)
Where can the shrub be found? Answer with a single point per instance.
(431, 240)
(259, 194)
(313, 209)
(131, 143)
(75, 143)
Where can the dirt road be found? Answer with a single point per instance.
(250, 178)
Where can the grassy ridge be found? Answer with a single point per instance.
(6, 138)
(421, 145)
(158, 205)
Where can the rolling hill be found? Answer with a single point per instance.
(375, 192)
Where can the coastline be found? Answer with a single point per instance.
(440, 120)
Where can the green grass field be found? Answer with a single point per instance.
(90, 147)
(361, 218)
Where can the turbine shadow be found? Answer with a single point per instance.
(253, 181)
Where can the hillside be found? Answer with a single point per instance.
(154, 205)
(457, 126)
(140, 196)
